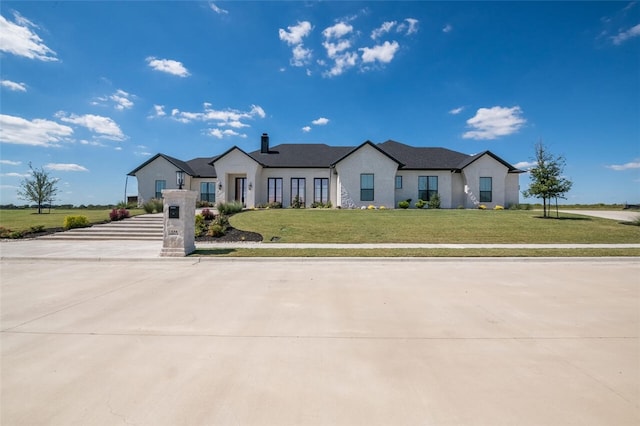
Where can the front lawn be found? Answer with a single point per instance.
(430, 226)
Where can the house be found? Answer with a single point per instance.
(380, 174)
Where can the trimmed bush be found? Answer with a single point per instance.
(404, 204)
(71, 222)
(420, 204)
(482, 207)
(201, 226)
(434, 202)
(230, 208)
(207, 214)
(215, 230)
(154, 205)
(119, 214)
(498, 207)
(320, 205)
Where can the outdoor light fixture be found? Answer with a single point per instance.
(220, 186)
(179, 178)
(250, 186)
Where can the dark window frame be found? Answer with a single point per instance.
(367, 193)
(301, 189)
(321, 195)
(158, 189)
(427, 187)
(486, 196)
(276, 197)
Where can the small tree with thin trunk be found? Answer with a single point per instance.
(547, 181)
(39, 188)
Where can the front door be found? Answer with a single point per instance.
(241, 190)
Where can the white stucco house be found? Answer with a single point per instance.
(380, 174)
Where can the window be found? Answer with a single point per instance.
(274, 189)
(298, 190)
(321, 190)
(366, 187)
(427, 187)
(486, 189)
(208, 192)
(160, 185)
(398, 182)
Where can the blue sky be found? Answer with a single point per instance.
(90, 90)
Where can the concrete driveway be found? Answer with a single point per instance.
(339, 342)
(621, 215)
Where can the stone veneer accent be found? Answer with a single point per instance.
(179, 234)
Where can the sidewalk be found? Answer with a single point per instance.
(133, 250)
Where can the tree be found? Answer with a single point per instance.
(39, 188)
(547, 181)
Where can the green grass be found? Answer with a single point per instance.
(431, 226)
(24, 219)
(416, 252)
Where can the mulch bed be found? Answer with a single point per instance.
(232, 235)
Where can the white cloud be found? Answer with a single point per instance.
(104, 126)
(61, 167)
(491, 123)
(296, 33)
(168, 65)
(383, 29)
(122, 100)
(18, 175)
(626, 166)
(320, 121)
(10, 163)
(337, 31)
(13, 86)
(217, 133)
(524, 165)
(306, 129)
(623, 36)
(456, 111)
(38, 132)
(18, 39)
(342, 63)
(217, 9)
(447, 28)
(228, 117)
(408, 26)
(301, 56)
(159, 110)
(383, 53)
(333, 49)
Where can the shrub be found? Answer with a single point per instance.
(230, 208)
(297, 203)
(118, 214)
(371, 207)
(498, 207)
(420, 204)
(320, 205)
(383, 208)
(200, 204)
(215, 230)
(403, 204)
(207, 214)
(4, 232)
(434, 202)
(71, 222)
(36, 228)
(460, 207)
(482, 207)
(154, 205)
(201, 226)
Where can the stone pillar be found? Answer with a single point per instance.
(179, 222)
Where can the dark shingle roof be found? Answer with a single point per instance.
(300, 155)
(423, 158)
(202, 167)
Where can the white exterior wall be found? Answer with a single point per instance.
(366, 160)
(458, 197)
(286, 175)
(236, 164)
(410, 186)
(158, 169)
(485, 166)
(512, 189)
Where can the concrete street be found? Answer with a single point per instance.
(196, 341)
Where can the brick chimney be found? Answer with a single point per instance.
(264, 144)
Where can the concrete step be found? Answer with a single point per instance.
(144, 228)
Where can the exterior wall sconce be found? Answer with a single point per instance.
(250, 186)
(220, 186)
(179, 178)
